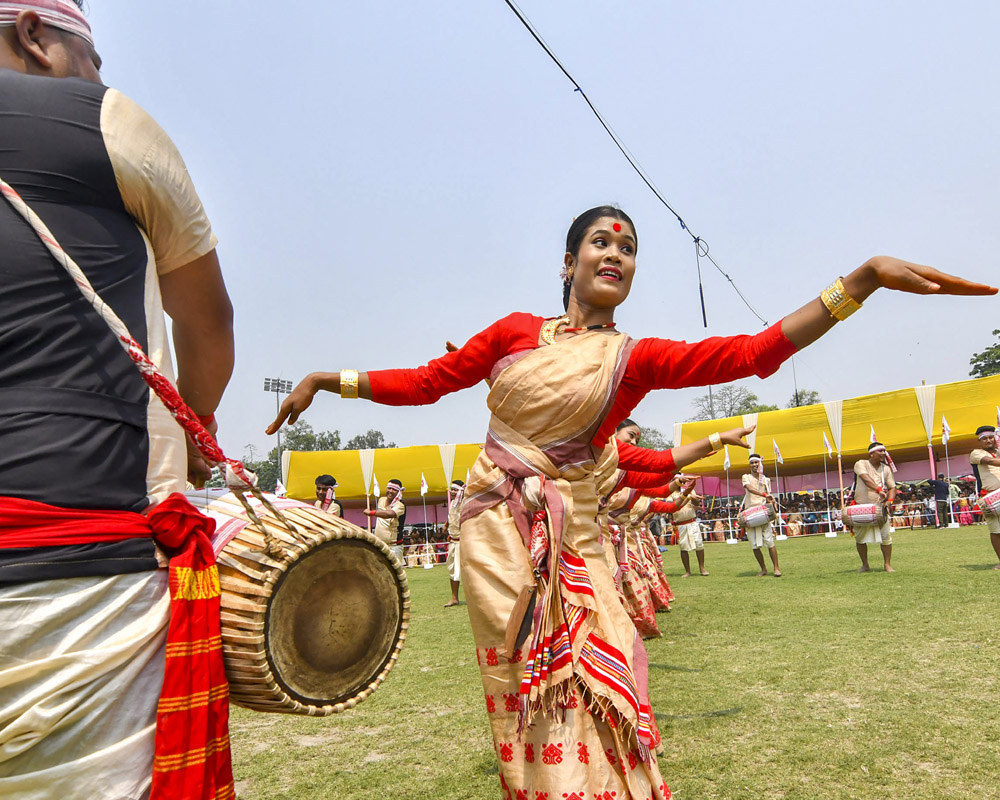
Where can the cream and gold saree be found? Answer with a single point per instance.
(563, 670)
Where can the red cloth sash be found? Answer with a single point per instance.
(191, 758)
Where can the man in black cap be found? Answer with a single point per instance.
(986, 467)
(326, 499)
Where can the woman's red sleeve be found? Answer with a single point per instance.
(663, 507)
(643, 459)
(668, 364)
(646, 480)
(656, 491)
(461, 369)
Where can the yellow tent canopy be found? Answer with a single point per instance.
(906, 420)
(404, 463)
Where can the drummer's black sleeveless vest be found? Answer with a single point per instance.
(72, 405)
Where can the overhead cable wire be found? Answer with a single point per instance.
(701, 245)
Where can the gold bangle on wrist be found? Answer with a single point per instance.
(349, 383)
(837, 301)
(715, 439)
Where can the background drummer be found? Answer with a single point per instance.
(758, 491)
(389, 515)
(986, 467)
(874, 484)
(456, 493)
(326, 499)
(688, 527)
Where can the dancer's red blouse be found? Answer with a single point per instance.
(653, 364)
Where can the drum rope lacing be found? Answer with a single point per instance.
(238, 479)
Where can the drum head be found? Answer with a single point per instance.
(334, 621)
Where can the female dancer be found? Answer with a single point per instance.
(562, 667)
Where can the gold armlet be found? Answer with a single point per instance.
(715, 439)
(349, 383)
(837, 301)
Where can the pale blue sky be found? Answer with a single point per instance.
(384, 176)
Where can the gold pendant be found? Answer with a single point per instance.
(550, 328)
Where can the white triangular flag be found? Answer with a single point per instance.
(376, 490)
(279, 489)
(945, 430)
(777, 452)
(829, 448)
(725, 463)
(874, 437)
(423, 485)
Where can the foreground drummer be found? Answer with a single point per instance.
(84, 607)
(986, 467)
(758, 492)
(456, 493)
(389, 514)
(874, 484)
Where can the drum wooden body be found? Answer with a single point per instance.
(990, 503)
(865, 514)
(316, 629)
(755, 516)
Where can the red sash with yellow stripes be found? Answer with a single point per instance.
(192, 758)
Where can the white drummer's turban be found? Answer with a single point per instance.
(62, 14)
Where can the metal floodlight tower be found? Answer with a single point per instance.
(279, 387)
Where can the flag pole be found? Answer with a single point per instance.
(951, 505)
(777, 487)
(826, 492)
(729, 519)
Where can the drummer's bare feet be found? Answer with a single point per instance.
(762, 573)
(688, 574)
(864, 569)
(777, 574)
(451, 603)
(888, 568)
(996, 566)
(704, 572)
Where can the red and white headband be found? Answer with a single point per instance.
(62, 14)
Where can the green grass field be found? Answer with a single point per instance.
(824, 683)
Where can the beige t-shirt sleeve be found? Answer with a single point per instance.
(154, 184)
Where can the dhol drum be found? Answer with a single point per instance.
(755, 516)
(990, 503)
(317, 627)
(865, 514)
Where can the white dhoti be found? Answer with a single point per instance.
(761, 536)
(873, 534)
(454, 570)
(689, 536)
(81, 669)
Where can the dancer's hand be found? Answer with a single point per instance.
(736, 436)
(298, 401)
(904, 276)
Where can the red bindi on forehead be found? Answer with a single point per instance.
(617, 227)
